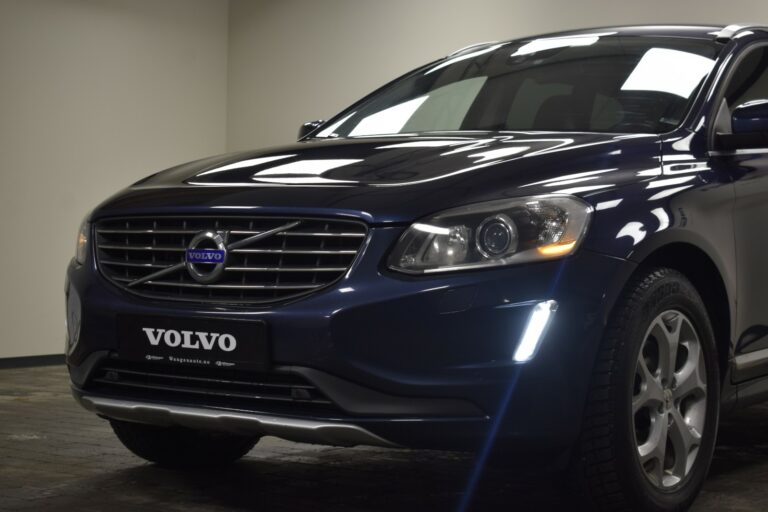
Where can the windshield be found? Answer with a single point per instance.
(589, 83)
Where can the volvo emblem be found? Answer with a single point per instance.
(206, 256)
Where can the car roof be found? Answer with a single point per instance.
(715, 32)
(663, 30)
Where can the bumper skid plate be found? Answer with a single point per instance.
(300, 430)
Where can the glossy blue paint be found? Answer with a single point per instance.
(452, 335)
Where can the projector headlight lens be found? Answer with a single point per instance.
(496, 236)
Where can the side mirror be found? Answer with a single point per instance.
(309, 127)
(751, 116)
(749, 127)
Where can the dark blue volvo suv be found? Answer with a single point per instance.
(543, 249)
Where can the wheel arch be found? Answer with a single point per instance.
(698, 266)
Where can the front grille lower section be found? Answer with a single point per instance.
(287, 264)
(272, 391)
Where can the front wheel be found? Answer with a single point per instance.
(652, 412)
(178, 447)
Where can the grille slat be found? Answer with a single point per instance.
(298, 233)
(234, 232)
(225, 286)
(184, 390)
(286, 269)
(208, 380)
(128, 247)
(145, 232)
(310, 256)
(291, 251)
(132, 264)
(211, 386)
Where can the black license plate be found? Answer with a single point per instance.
(208, 342)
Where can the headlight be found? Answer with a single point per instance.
(81, 250)
(502, 232)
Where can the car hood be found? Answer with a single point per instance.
(392, 179)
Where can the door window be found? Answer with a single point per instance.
(750, 80)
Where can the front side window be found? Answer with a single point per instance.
(750, 80)
(593, 83)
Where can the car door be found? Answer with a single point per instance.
(748, 165)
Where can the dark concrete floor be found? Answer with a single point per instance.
(56, 457)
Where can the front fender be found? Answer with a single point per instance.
(670, 213)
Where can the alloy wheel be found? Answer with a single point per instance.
(669, 399)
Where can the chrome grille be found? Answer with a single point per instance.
(298, 260)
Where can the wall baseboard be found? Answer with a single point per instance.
(28, 361)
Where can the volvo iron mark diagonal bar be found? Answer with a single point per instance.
(550, 248)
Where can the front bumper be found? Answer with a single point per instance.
(414, 361)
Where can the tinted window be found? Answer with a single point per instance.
(750, 80)
(578, 83)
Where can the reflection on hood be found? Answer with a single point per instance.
(386, 163)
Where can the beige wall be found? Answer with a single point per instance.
(297, 60)
(94, 94)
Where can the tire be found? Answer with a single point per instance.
(618, 464)
(177, 447)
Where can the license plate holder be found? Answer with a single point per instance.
(206, 342)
